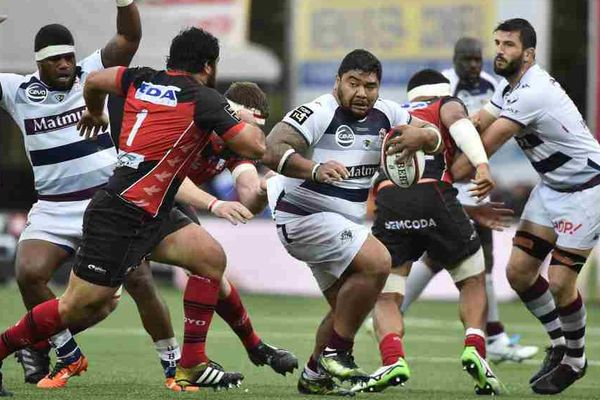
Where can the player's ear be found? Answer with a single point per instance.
(337, 82)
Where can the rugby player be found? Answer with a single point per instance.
(474, 87)
(327, 151)
(427, 217)
(127, 219)
(211, 161)
(562, 215)
(68, 170)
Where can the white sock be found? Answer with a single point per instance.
(310, 374)
(168, 350)
(493, 313)
(418, 278)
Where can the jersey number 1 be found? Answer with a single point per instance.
(139, 119)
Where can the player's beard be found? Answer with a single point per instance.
(511, 68)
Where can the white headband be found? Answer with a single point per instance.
(54, 50)
(436, 89)
(260, 120)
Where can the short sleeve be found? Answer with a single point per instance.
(310, 120)
(93, 62)
(397, 114)
(126, 77)
(213, 113)
(497, 99)
(9, 83)
(523, 106)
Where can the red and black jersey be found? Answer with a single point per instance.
(167, 119)
(437, 166)
(213, 159)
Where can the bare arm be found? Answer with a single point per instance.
(97, 85)
(418, 135)
(454, 115)
(492, 138)
(483, 118)
(284, 137)
(232, 211)
(122, 47)
(249, 142)
(248, 187)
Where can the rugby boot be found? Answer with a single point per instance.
(486, 382)
(558, 379)
(3, 392)
(35, 363)
(321, 385)
(280, 360)
(386, 376)
(207, 374)
(341, 365)
(554, 356)
(505, 349)
(61, 373)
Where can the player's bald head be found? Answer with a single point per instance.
(467, 45)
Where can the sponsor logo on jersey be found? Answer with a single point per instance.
(59, 97)
(231, 112)
(566, 227)
(158, 94)
(53, 122)
(362, 171)
(367, 143)
(346, 236)
(344, 136)
(413, 224)
(36, 92)
(301, 114)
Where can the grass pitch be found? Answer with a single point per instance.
(124, 365)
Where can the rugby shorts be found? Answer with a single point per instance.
(426, 217)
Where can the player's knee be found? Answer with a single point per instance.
(380, 264)
(518, 277)
(212, 262)
(559, 287)
(139, 283)
(31, 270)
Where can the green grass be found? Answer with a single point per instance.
(124, 365)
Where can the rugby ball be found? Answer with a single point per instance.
(402, 172)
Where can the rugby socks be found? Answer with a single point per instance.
(233, 312)
(337, 343)
(494, 328)
(311, 369)
(391, 349)
(65, 346)
(169, 355)
(540, 303)
(572, 317)
(199, 300)
(418, 278)
(39, 323)
(476, 338)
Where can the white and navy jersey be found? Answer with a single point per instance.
(553, 133)
(65, 165)
(333, 133)
(473, 95)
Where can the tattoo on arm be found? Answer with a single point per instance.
(282, 138)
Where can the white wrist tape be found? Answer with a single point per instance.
(467, 139)
(492, 109)
(237, 171)
(283, 159)
(439, 139)
(124, 3)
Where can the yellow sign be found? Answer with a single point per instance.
(391, 29)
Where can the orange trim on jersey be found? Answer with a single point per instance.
(233, 131)
(119, 80)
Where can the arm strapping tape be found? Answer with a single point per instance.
(467, 139)
(283, 159)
